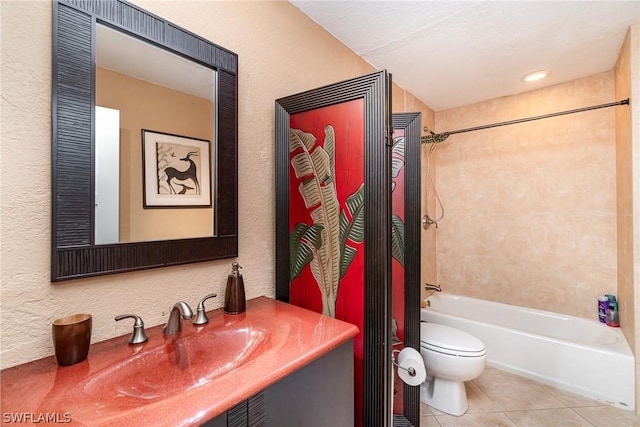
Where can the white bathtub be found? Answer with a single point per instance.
(571, 353)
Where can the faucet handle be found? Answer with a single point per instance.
(201, 316)
(138, 336)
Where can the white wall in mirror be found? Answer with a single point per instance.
(107, 170)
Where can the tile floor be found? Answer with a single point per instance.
(501, 399)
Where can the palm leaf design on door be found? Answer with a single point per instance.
(397, 226)
(323, 244)
(351, 230)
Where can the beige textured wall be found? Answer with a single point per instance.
(405, 101)
(627, 85)
(428, 267)
(624, 196)
(281, 52)
(530, 209)
(635, 160)
(627, 74)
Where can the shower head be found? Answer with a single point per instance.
(434, 138)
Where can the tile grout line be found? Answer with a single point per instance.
(589, 422)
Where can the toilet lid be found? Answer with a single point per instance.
(449, 340)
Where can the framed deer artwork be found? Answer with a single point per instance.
(176, 171)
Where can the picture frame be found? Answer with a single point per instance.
(338, 106)
(176, 171)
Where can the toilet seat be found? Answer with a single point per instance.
(451, 341)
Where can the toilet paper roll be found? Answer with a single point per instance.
(410, 362)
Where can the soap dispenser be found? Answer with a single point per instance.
(234, 298)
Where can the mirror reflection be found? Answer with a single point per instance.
(158, 187)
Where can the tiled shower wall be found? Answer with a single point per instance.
(530, 209)
(624, 195)
(627, 78)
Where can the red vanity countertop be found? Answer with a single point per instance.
(173, 382)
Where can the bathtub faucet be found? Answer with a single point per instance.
(429, 286)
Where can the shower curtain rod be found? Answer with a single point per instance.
(435, 138)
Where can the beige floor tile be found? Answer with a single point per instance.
(435, 412)
(608, 416)
(572, 400)
(563, 417)
(493, 378)
(488, 419)
(425, 409)
(498, 398)
(428, 421)
(521, 396)
(478, 400)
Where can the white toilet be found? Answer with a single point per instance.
(451, 357)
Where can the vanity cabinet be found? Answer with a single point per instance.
(319, 394)
(250, 412)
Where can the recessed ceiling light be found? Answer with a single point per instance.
(536, 75)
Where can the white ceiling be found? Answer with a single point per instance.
(453, 53)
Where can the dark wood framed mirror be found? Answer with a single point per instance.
(75, 253)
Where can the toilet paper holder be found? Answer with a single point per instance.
(409, 370)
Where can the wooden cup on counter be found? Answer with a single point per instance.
(71, 338)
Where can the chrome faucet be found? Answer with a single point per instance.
(180, 310)
(429, 286)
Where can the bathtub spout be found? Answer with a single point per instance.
(429, 286)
